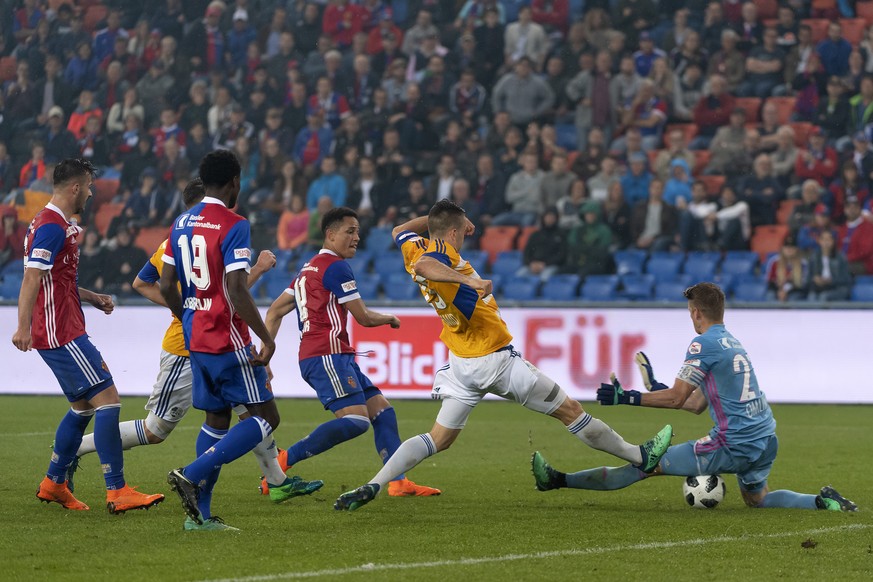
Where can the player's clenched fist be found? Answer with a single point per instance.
(485, 286)
(22, 340)
(266, 260)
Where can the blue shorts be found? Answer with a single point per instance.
(337, 380)
(751, 462)
(222, 381)
(79, 368)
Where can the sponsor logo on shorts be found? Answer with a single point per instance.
(41, 254)
(242, 254)
(104, 366)
(349, 286)
(694, 348)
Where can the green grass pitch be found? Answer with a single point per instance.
(489, 524)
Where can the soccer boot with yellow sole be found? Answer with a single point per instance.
(283, 463)
(214, 523)
(51, 492)
(128, 498)
(293, 487)
(406, 488)
(654, 448)
(829, 499)
(352, 500)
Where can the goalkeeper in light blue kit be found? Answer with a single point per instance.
(717, 373)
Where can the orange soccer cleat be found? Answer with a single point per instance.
(51, 492)
(283, 463)
(406, 488)
(127, 498)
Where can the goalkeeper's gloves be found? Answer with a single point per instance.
(648, 374)
(610, 394)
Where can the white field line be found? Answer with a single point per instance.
(368, 568)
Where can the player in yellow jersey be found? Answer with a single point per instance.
(481, 357)
(171, 396)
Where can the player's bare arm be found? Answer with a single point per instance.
(369, 318)
(282, 306)
(151, 291)
(266, 261)
(433, 270)
(101, 301)
(26, 300)
(417, 225)
(170, 289)
(244, 305)
(696, 402)
(674, 397)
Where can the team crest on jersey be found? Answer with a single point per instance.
(104, 366)
(351, 382)
(694, 348)
(180, 223)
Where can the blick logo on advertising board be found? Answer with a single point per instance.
(401, 359)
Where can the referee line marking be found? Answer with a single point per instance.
(536, 555)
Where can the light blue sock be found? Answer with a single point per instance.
(207, 439)
(326, 436)
(788, 499)
(605, 478)
(239, 440)
(107, 439)
(67, 440)
(386, 434)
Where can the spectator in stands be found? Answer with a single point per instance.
(546, 249)
(236, 127)
(313, 143)
(104, 39)
(617, 216)
(34, 169)
(635, 16)
(524, 96)
(93, 146)
(205, 43)
(487, 195)
(624, 86)
(591, 93)
(679, 31)
(197, 144)
(728, 146)
(834, 114)
(553, 15)
(118, 113)
(763, 68)
(135, 162)
(647, 113)
(808, 235)
(53, 89)
(829, 278)
(59, 142)
(690, 52)
(712, 112)
(569, 205)
(787, 274)
(588, 159)
(761, 191)
(292, 232)
(676, 150)
(733, 220)
(81, 72)
(784, 157)
(489, 37)
(556, 182)
(798, 55)
(728, 62)
(589, 243)
(635, 183)
(687, 92)
(749, 29)
(818, 161)
(526, 38)
(144, 207)
(645, 57)
(849, 184)
(600, 183)
(123, 262)
(12, 233)
(803, 212)
(8, 177)
(677, 189)
(862, 105)
(523, 194)
(86, 108)
(834, 51)
(697, 222)
(153, 90)
(664, 82)
(856, 239)
(654, 224)
(329, 184)
(93, 259)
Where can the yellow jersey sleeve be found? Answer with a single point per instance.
(174, 339)
(472, 326)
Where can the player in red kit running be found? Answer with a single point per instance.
(50, 320)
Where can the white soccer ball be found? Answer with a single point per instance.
(703, 491)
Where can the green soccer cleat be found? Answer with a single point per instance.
(352, 500)
(214, 523)
(545, 476)
(71, 472)
(830, 500)
(293, 487)
(654, 448)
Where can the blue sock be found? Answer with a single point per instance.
(67, 440)
(107, 440)
(605, 478)
(326, 436)
(386, 434)
(239, 440)
(785, 498)
(207, 439)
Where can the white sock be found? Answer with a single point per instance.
(268, 460)
(598, 435)
(410, 453)
(132, 435)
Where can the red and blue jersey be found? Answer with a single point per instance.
(321, 289)
(334, 108)
(207, 242)
(51, 245)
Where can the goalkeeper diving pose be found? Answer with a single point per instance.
(717, 373)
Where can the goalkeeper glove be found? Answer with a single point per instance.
(647, 373)
(610, 394)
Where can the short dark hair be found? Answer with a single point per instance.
(72, 169)
(193, 192)
(708, 298)
(218, 168)
(443, 216)
(334, 216)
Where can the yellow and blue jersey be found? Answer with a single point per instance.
(174, 340)
(472, 326)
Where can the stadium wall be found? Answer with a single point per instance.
(806, 356)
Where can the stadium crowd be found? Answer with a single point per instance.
(584, 133)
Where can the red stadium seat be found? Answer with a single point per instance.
(93, 15)
(786, 207)
(8, 68)
(689, 129)
(525, 234)
(701, 160)
(752, 107)
(149, 239)
(784, 108)
(819, 27)
(497, 239)
(767, 9)
(768, 239)
(713, 184)
(105, 190)
(801, 132)
(103, 217)
(853, 29)
(864, 10)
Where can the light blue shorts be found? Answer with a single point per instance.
(750, 462)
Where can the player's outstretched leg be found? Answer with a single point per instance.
(600, 479)
(279, 486)
(827, 499)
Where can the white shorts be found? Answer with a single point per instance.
(503, 373)
(171, 396)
